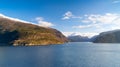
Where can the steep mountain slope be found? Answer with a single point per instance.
(18, 33)
(108, 37)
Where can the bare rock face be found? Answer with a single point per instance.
(24, 34)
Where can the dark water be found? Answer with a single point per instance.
(67, 55)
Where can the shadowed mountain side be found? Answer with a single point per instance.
(18, 33)
(108, 37)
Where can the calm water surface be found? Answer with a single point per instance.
(68, 55)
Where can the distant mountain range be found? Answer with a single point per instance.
(104, 37)
(18, 33)
(78, 38)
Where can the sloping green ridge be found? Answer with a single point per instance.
(18, 33)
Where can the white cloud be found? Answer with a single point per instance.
(14, 19)
(88, 34)
(83, 26)
(107, 18)
(108, 21)
(69, 15)
(67, 33)
(43, 23)
(116, 1)
(85, 21)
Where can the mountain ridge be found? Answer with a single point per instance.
(78, 38)
(108, 37)
(19, 33)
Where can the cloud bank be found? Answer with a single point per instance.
(108, 21)
(94, 22)
(88, 34)
(43, 23)
(116, 1)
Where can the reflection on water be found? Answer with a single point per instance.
(67, 55)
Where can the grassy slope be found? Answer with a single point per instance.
(17, 33)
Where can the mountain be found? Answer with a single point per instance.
(108, 37)
(93, 38)
(17, 33)
(78, 38)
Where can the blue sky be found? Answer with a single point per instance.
(85, 17)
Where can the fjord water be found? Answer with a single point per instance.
(76, 54)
